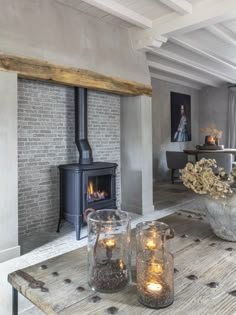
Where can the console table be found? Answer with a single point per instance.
(205, 278)
(196, 152)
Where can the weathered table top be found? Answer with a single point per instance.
(197, 252)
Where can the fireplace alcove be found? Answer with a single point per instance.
(87, 183)
(135, 117)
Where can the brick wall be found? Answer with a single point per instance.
(104, 130)
(46, 139)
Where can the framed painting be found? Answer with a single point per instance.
(180, 117)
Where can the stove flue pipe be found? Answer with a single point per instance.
(81, 126)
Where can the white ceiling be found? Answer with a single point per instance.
(191, 42)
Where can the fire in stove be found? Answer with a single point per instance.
(95, 194)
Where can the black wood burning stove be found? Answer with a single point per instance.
(86, 184)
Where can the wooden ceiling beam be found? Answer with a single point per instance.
(205, 13)
(150, 43)
(43, 70)
(170, 79)
(195, 48)
(181, 6)
(200, 66)
(173, 69)
(223, 33)
(122, 12)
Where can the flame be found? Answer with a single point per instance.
(93, 194)
(90, 188)
(150, 244)
(211, 139)
(109, 243)
(156, 268)
(121, 264)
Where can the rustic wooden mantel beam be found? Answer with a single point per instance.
(43, 70)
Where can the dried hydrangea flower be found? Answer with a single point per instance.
(233, 173)
(201, 178)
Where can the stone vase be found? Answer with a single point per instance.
(221, 214)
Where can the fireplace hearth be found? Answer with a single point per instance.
(86, 184)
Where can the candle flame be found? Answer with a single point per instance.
(156, 268)
(155, 287)
(121, 264)
(150, 244)
(110, 243)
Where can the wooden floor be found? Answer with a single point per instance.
(205, 278)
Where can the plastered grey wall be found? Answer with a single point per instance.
(136, 154)
(8, 167)
(49, 30)
(214, 109)
(161, 125)
(46, 140)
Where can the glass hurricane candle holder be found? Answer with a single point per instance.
(155, 265)
(108, 250)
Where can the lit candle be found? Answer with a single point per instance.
(156, 268)
(150, 244)
(154, 287)
(109, 243)
(121, 264)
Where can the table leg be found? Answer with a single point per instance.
(14, 301)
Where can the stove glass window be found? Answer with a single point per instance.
(99, 188)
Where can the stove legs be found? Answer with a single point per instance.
(78, 224)
(78, 227)
(59, 224)
(60, 217)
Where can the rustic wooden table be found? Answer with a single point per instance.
(205, 278)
